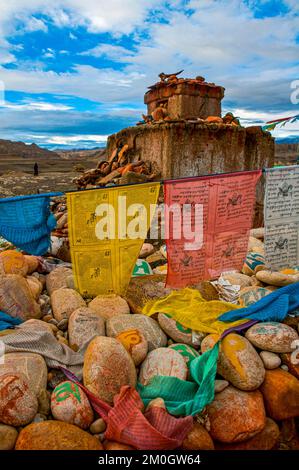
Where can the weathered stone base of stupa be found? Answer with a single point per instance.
(179, 149)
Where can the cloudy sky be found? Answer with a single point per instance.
(74, 71)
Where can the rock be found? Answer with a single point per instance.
(8, 437)
(135, 343)
(35, 286)
(175, 330)
(13, 262)
(70, 404)
(163, 361)
(254, 262)
(63, 324)
(270, 360)
(142, 268)
(255, 245)
(55, 377)
(250, 295)
(291, 360)
(258, 233)
(57, 279)
(98, 426)
(39, 418)
(186, 351)
(161, 270)
(144, 288)
(56, 435)
(31, 365)
(284, 367)
(235, 415)
(110, 445)
(276, 278)
(84, 325)
(108, 306)
(156, 259)
(44, 402)
(37, 325)
(146, 250)
(207, 290)
(264, 440)
(272, 336)
(220, 385)
(32, 263)
(237, 279)
(280, 390)
(16, 298)
(238, 361)
(107, 367)
(18, 404)
(64, 302)
(156, 402)
(146, 325)
(198, 439)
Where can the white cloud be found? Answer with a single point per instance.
(36, 106)
(70, 140)
(116, 53)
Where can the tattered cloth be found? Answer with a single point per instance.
(7, 322)
(26, 221)
(43, 342)
(156, 429)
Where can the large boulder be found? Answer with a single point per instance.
(108, 306)
(70, 404)
(8, 437)
(64, 302)
(198, 439)
(13, 262)
(235, 415)
(18, 404)
(146, 325)
(16, 298)
(84, 324)
(107, 367)
(281, 394)
(31, 365)
(144, 288)
(135, 343)
(272, 336)
(178, 332)
(56, 435)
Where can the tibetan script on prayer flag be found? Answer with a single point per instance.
(221, 233)
(103, 253)
(281, 210)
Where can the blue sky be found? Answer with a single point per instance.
(75, 71)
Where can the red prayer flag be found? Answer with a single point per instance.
(208, 221)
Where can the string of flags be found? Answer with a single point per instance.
(271, 125)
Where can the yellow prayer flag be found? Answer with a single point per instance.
(107, 228)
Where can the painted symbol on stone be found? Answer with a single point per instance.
(129, 339)
(65, 390)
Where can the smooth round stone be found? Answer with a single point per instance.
(264, 440)
(18, 404)
(238, 361)
(220, 385)
(255, 245)
(238, 279)
(35, 286)
(98, 426)
(38, 418)
(84, 324)
(31, 365)
(198, 439)
(16, 298)
(107, 367)
(235, 415)
(276, 278)
(36, 325)
(70, 404)
(163, 361)
(146, 250)
(258, 233)
(291, 361)
(8, 437)
(44, 398)
(251, 295)
(32, 262)
(254, 262)
(150, 329)
(63, 324)
(108, 306)
(57, 279)
(272, 336)
(56, 435)
(135, 343)
(156, 403)
(64, 302)
(13, 262)
(175, 330)
(144, 288)
(280, 390)
(142, 268)
(186, 351)
(270, 360)
(162, 270)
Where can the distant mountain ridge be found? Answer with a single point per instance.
(10, 148)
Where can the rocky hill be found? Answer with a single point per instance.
(286, 153)
(12, 149)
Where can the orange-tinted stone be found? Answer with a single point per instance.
(198, 439)
(281, 394)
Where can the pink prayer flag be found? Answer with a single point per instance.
(208, 220)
